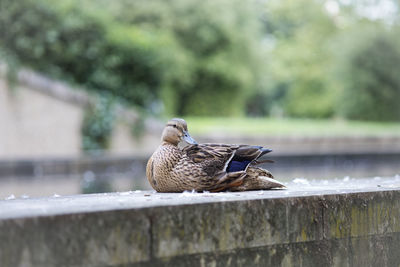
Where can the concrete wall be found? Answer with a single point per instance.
(40, 117)
(270, 228)
(35, 124)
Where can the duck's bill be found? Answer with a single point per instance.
(188, 139)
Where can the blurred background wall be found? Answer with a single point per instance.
(41, 117)
(37, 124)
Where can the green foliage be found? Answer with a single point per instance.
(369, 69)
(219, 59)
(211, 57)
(301, 32)
(256, 105)
(198, 57)
(85, 48)
(98, 125)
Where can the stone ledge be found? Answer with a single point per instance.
(150, 229)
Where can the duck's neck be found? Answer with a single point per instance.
(165, 143)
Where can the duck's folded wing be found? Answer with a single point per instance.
(205, 152)
(246, 152)
(212, 158)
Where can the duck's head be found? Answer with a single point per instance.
(176, 131)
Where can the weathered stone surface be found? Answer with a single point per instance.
(218, 227)
(353, 227)
(369, 213)
(367, 251)
(92, 239)
(304, 219)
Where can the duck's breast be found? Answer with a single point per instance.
(161, 168)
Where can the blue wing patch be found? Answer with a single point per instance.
(235, 166)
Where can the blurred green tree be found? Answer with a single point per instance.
(220, 59)
(299, 33)
(98, 125)
(368, 69)
(86, 48)
(199, 58)
(214, 57)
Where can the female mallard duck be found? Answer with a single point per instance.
(205, 167)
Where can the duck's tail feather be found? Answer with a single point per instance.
(264, 151)
(256, 162)
(258, 179)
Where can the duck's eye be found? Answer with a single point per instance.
(174, 126)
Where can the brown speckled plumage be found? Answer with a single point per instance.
(203, 167)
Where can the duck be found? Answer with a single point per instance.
(181, 164)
